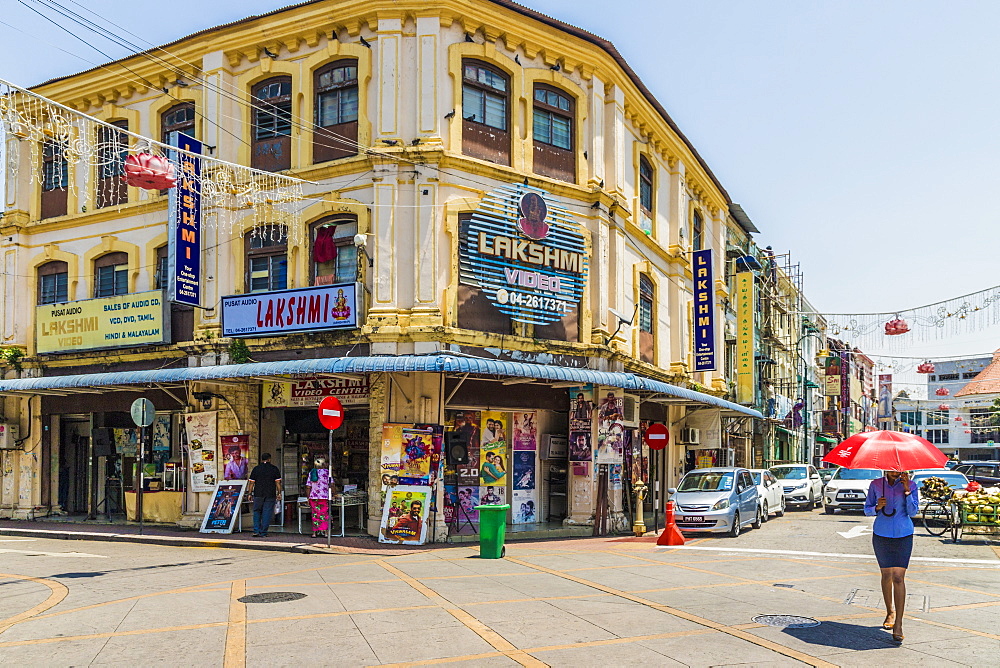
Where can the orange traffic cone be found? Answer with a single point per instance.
(671, 534)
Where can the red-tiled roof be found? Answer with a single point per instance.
(987, 382)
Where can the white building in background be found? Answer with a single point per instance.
(954, 375)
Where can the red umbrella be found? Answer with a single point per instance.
(887, 450)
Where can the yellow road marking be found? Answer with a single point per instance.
(236, 633)
(496, 640)
(57, 592)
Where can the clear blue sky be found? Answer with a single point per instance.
(863, 136)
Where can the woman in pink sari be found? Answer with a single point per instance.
(318, 482)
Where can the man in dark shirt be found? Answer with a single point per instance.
(265, 486)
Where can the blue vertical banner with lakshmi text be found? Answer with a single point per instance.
(704, 312)
(184, 258)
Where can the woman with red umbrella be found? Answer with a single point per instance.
(894, 501)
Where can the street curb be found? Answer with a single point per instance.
(168, 541)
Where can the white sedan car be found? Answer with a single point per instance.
(769, 492)
(801, 483)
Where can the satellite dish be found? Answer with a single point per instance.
(627, 320)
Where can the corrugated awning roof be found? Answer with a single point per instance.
(438, 363)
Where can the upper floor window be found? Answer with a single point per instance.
(937, 417)
(112, 149)
(55, 179)
(160, 278)
(697, 231)
(111, 275)
(645, 186)
(552, 131)
(176, 120)
(334, 255)
(272, 124)
(647, 298)
(485, 112)
(53, 282)
(336, 90)
(267, 258)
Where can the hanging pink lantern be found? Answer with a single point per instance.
(926, 367)
(896, 326)
(150, 172)
(942, 392)
(958, 419)
(965, 424)
(968, 431)
(943, 407)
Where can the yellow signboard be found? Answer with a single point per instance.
(746, 376)
(109, 322)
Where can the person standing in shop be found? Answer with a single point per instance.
(319, 497)
(265, 486)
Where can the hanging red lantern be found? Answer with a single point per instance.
(968, 431)
(896, 326)
(926, 367)
(942, 392)
(965, 424)
(943, 407)
(150, 172)
(958, 419)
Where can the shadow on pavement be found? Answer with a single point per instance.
(846, 636)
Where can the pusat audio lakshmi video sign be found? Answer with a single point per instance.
(526, 253)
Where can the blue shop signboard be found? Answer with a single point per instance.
(704, 312)
(184, 256)
(526, 253)
(288, 311)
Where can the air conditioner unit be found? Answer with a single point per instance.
(690, 436)
(9, 433)
(630, 411)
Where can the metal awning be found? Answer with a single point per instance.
(826, 439)
(446, 363)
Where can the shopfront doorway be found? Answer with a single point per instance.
(75, 475)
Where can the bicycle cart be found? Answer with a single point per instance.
(975, 519)
(939, 511)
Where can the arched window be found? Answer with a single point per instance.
(53, 282)
(272, 125)
(646, 199)
(176, 120)
(112, 149)
(55, 179)
(647, 301)
(334, 255)
(111, 275)
(336, 89)
(552, 131)
(485, 112)
(266, 258)
(697, 231)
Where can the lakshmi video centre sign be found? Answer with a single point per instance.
(309, 391)
(526, 253)
(287, 311)
(108, 322)
(704, 312)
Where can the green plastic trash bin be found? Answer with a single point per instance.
(492, 530)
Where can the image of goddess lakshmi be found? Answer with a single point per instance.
(341, 311)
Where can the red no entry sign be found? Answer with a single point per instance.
(331, 413)
(657, 436)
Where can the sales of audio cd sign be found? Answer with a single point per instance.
(287, 311)
(108, 322)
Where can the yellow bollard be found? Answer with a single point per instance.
(639, 526)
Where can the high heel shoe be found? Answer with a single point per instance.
(887, 625)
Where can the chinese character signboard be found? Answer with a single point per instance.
(287, 311)
(526, 254)
(185, 239)
(746, 377)
(704, 312)
(108, 322)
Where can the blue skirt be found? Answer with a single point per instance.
(892, 552)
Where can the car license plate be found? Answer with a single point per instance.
(694, 518)
(852, 496)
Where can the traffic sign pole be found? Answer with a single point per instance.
(143, 412)
(329, 503)
(331, 416)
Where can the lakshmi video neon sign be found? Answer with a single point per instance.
(526, 253)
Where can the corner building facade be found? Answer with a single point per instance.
(506, 211)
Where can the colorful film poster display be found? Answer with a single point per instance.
(746, 376)
(493, 448)
(526, 253)
(610, 428)
(417, 454)
(492, 495)
(524, 469)
(704, 312)
(184, 251)
(525, 430)
(524, 507)
(581, 427)
(466, 423)
(235, 452)
(223, 512)
(404, 515)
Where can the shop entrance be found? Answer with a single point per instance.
(74, 465)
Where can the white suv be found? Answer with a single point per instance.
(801, 484)
(848, 489)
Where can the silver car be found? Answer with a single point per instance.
(717, 500)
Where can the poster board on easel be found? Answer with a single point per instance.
(224, 511)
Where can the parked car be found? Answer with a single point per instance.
(986, 473)
(771, 496)
(716, 500)
(955, 480)
(826, 473)
(848, 489)
(801, 484)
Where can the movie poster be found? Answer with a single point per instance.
(610, 428)
(224, 510)
(450, 503)
(524, 469)
(581, 410)
(415, 460)
(200, 429)
(524, 507)
(404, 517)
(465, 509)
(525, 430)
(493, 448)
(235, 454)
(466, 423)
(579, 446)
(392, 447)
(492, 495)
